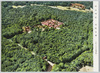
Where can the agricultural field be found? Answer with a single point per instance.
(69, 48)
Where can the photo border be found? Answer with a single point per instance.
(96, 52)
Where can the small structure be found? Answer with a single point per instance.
(50, 64)
(77, 5)
(26, 29)
(45, 57)
(52, 23)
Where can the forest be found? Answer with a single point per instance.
(69, 48)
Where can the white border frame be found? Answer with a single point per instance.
(95, 38)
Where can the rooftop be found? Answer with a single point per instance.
(52, 23)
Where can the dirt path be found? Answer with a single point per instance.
(26, 49)
(23, 47)
(19, 6)
(50, 63)
(71, 8)
(57, 7)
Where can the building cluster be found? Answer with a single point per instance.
(49, 23)
(26, 29)
(52, 23)
(77, 5)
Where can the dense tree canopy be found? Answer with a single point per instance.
(70, 47)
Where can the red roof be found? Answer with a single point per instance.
(52, 23)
